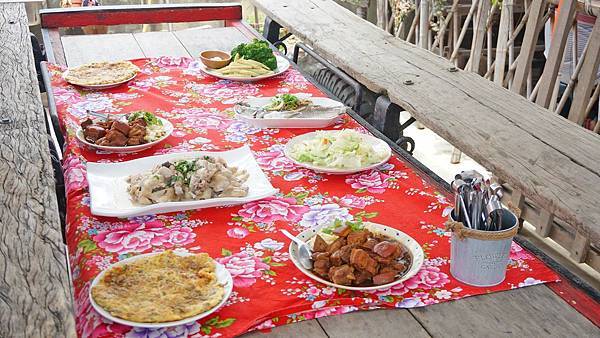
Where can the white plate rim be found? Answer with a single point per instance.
(101, 86)
(168, 127)
(287, 152)
(280, 59)
(166, 207)
(220, 271)
(418, 257)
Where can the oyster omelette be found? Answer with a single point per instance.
(160, 288)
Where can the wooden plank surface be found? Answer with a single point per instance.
(35, 295)
(534, 311)
(519, 141)
(307, 328)
(376, 323)
(197, 40)
(155, 44)
(80, 49)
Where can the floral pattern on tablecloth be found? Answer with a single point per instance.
(268, 289)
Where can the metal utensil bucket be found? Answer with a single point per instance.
(479, 258)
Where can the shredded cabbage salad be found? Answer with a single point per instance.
(344, 149)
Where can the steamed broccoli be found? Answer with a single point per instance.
(258, 51)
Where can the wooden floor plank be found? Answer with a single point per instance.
(307, 329)
(533, 311)
(80, 49)
(376, 323)
(197, 40)
(155, 44)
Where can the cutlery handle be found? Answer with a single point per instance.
(292, 237)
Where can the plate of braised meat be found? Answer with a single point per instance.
(359, 256)
(130, 133)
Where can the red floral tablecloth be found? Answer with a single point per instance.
(268, 289)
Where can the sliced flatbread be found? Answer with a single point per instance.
(161, 288)
(101, 73)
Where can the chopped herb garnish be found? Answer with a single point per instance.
(150, 118)
(354, 226)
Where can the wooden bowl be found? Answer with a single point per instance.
(207, 58)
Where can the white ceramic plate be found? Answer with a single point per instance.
(108, 184)
(223, 276)
(282, 65)
(308, 119)
(376, 143)
(102, 86)
(408, 242)
(168, 127)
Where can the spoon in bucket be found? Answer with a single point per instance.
(304, 251)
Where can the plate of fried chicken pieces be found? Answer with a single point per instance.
(359, 256)
(126, 134)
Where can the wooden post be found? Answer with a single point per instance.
(382, 14)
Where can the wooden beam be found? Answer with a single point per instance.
(148, 14)
(516, 139)
(532, 31)
(35, 293)
(587, 77)
(555, 55)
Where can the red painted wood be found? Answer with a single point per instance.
(120, 15)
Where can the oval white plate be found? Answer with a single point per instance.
(223, 276)
(376, 143)
(319, 119)
(282, 65)
(108, 184)
(408, 242)
(168, 127)
(101, 86)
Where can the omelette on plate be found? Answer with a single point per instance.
(160, 288)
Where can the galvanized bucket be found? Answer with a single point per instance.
(480, 258)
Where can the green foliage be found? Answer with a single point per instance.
(258, 51)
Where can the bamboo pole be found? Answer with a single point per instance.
(413, 26)
(424, 25)
(464, 29)
(501, 48)
(572, 81)
(445, 23)
(593, 100)
(455, 32)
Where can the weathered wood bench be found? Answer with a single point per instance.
(35, 293)
(523, 144)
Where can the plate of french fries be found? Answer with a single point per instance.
(241, 69)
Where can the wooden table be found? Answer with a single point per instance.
(531, 311)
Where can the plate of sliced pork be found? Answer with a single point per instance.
(126, 134)
(359, 256)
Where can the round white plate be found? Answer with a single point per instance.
(126, 149)
(317, 119)
(376, 143)
(282, 65)
(408, 242)
(223, 276)
(99, 87)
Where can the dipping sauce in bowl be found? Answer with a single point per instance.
(215, 59)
